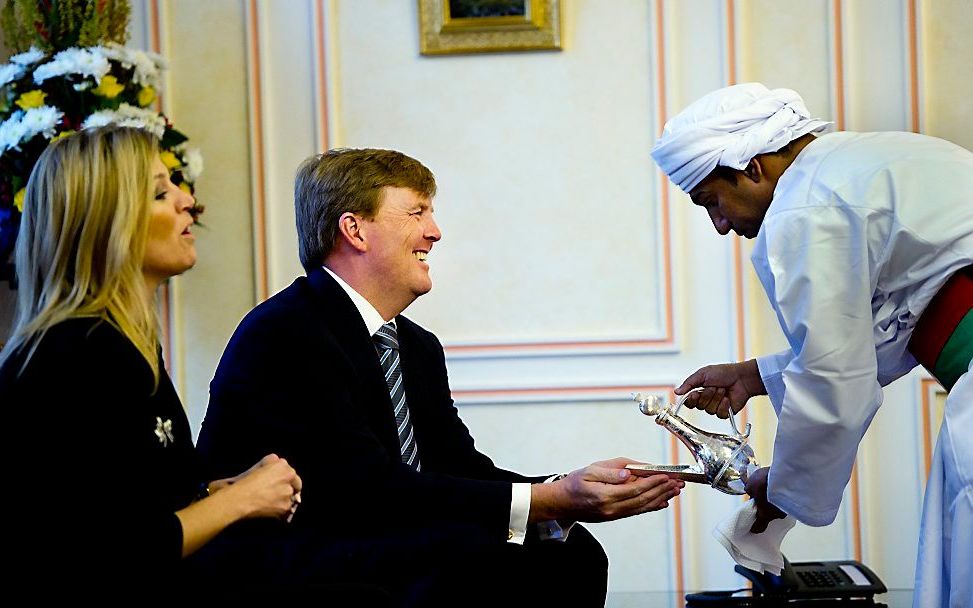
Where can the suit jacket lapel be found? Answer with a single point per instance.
(348, 328)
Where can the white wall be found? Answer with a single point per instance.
(570, 274)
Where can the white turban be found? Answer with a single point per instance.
(729, 127)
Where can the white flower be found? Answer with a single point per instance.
(10, 72)
(116, 52)
(147, 71)
(154, 121)
(83, 86)
(12, 132)
(22, 126)
(28, 57)
(193, 161)
(147, 66)
(128, 115)
(86, 62)
(133, 122)
(91, 64)
(99, 119)
(41, 120)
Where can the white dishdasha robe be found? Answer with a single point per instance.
(863, 230)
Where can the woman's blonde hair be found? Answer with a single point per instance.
(82, 238)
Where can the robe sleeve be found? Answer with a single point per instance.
(821, 288)
(772, 374)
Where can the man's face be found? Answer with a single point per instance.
(399, 237)
(739, 206)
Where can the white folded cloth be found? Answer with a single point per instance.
(760, 552)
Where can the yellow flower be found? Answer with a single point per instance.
(146, 96)
(31, 99)
(108, 88)
(185, 188)
(19, 199)
(169, 160)
(62, 135)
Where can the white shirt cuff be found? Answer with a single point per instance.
(519, 510)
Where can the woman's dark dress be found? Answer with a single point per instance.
(100, 460)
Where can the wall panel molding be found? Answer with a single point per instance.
(323, 68)
(661, 342)
(914, 66)
(557, 394)
(931, 393)
(258, 160)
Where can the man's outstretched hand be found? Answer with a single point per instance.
(601, 491)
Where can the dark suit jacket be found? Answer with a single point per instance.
(301, 378)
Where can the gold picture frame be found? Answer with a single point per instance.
(534, 25)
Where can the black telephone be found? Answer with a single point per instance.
(809, 580)
(843, 580)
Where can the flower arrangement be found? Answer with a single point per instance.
(74, 72)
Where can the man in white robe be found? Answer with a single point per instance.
(856, 235)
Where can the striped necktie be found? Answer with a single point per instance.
(387, 345)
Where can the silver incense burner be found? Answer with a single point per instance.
(722, 461)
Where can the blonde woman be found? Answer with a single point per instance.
(98, 444)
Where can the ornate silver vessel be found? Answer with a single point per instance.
(723, 461)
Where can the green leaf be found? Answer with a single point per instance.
(172, 138)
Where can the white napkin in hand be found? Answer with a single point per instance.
(760, 552)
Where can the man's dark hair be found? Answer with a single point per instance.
(725, 173)
(348, 180)
(730, 174)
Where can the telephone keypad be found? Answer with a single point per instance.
(822, 578)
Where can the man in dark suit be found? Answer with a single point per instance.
(328, 374)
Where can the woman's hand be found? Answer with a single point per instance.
(270, 488)
(218, 484)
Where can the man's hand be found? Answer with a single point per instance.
(727, 385)
(766, 512)
(602, 491)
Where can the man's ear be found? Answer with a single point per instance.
(350, 230)
(754, 170)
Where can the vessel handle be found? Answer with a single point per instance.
(736, 431)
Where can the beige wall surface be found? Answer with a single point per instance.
(206, 98)
(570, 273)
